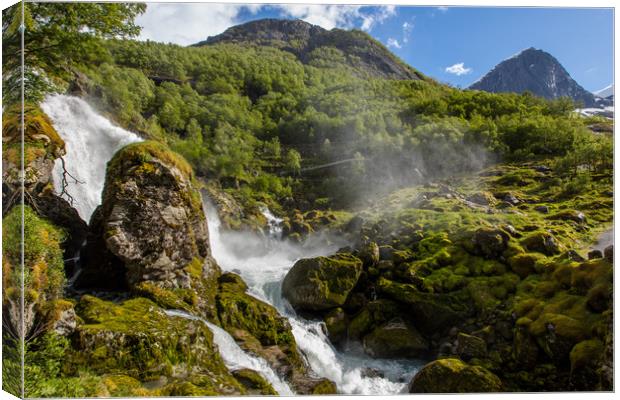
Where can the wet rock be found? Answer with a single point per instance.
(511, 199)
(369, 254)
(541, 168)
(482, 198)
(569, 215)
(542, 209)
(574, 256)
(368, 372)
(395, 340)
(355, 225)
(595, 254)
(321, 283)
(451, 375)
(609, 253)
(469, 347)
(336, 322)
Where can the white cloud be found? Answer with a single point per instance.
(186, 23)
(443, 9)
(369, 20)
(458, 69)
(391, 42)
(407, 29)
(338, 16)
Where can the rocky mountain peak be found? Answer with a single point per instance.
(536, 71)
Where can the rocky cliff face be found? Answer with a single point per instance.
(535, 71)
(356, 48)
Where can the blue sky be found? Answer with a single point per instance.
(456, 45)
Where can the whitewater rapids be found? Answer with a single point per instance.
(91, 141)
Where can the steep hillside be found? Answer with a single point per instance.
(317, 46)
(535, 71)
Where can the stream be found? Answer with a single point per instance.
(91, 141)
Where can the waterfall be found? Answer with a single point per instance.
(234, 357)
(263, 265)
(90, 140)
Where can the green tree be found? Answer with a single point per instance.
(59, 34)
(292, 160)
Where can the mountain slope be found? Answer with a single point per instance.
(535, 71)
(605, 92)
(317, 46)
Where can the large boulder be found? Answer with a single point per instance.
(321, 283)
(150, 232)
(451, 375)
(395, 340)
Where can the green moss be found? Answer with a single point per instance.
(138, 339)
(141, 153)
(586, 353)
(451, 375)
(254, 382)
(44, 275)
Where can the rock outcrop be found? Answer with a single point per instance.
(535, 71)
(150, 233)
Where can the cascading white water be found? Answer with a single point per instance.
(263, 264)
(90, 140)
(234, 357)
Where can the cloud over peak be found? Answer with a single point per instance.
(458, 69)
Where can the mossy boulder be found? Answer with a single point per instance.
(523, 264)
(321, 283)
(585, 360)
(151, 228)
(433, 312)
(490, 242)
(254, 383)
(542, 242)
(239, 310)
(395, 339)
(138, 339)
(451, 375)
(557, 334)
